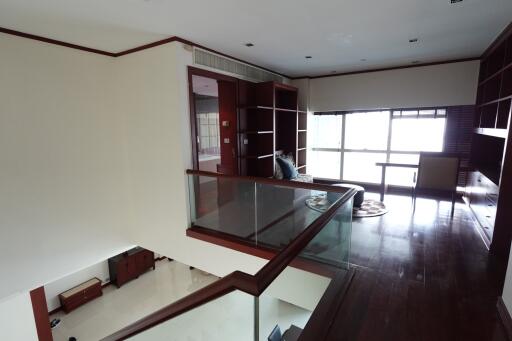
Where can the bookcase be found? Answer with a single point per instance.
(489, 186)
(269, 123)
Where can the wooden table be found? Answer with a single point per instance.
(384, 165)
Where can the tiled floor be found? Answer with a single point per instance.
(119, 307)
(230, 315)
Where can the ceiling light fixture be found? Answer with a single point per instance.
(455, 1)
(308, 57)
(415, 61)
(249, 44)
(363, 59)
(413, 40)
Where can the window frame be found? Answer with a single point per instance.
(439, 112)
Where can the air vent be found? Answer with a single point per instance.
(233, 67)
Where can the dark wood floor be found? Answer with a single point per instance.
(421, 276)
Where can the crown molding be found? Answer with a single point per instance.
(389, 68)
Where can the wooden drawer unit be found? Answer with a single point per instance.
(81, 294)
(129, 265)
(483, 198)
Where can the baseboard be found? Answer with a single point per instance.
(505, 318)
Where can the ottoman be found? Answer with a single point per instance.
(359, 197)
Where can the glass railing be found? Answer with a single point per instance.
(308, 226)
(267, 214)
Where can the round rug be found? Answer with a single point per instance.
(370, 208)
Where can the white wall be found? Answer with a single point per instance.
(507, 288)
(63, 185)
(94, 152)
(153, 94)
(17, 318)
(436, 85)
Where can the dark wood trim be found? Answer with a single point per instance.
(271, 181)
(194, 71)
(498, 41)
(504, 317)
(55, 42)
(238, 244)
(323, 317)
(253, 285)
(147, 46)
(40, 310)
(228, 241)
(132, 50)
(390, 68)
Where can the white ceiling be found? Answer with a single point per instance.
(337, 33)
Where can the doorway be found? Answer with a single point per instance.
(214, 121)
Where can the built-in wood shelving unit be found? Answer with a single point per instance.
(270, 123)
(489, 186)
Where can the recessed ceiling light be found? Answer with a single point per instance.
(363, 59)
(249, 44)
(415, 61)
(333, 71)
(413, 40)
(308, 57)
(455, 1)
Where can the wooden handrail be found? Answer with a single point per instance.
(271, 181)
(254, 285)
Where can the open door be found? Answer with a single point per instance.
(214, 121)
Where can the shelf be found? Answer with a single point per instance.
(286, 110)
(302, 112)
(257, 107)
(501, 133)
(299, 149)
(495, 74)
(261, 132)
(495, 101)
(259, 157)
(302, 131)
(302, 166)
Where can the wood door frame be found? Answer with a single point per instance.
(194, 71)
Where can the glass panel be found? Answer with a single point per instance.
(324, 131)
(261, 214)
(425, 134)
(324, 164)
(410, 113)
(367, 130)
(361, 166)
(228, 318)
(293, 296)
(223, 205)
(402, 176)
(427, 112)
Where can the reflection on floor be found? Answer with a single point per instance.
(230, 315)
(424, 276)
(119, 307)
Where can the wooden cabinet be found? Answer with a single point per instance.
(482, 195)
(81, 294)
(129, 265)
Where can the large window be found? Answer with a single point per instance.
(347, 145)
